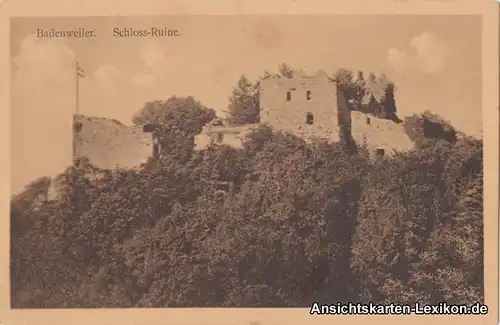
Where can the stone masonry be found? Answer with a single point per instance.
(310, 107)
(109, 144)
(380, 136)
(307, 106)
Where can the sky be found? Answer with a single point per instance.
(435, 62)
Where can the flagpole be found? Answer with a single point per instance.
(77, 75)
(77, 110)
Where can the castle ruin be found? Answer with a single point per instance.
(313, 107)
(306, 106)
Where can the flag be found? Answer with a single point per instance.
(79, 71)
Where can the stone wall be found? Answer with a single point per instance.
(109, 144)
(232, 136)
(303, 105)
(376, 133)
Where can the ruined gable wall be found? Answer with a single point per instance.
(290, 116)
(109, 144)
(377, 133)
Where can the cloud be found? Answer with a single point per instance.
(431, 52)
(155, 61)
(42, 106)
(40, 69)
(425, 53)
(145, 79)
(398, 59)
(153, 54)
(108, 78)
(163, 72)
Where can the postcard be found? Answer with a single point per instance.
(264, 163)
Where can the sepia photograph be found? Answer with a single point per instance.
(246, 161)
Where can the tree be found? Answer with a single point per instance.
(412, 224)
(426, 127)
(285, 70)
(388, 99)
(244, 103)
(360, 86)
(372, 77)
(180, 118)
(345, 84)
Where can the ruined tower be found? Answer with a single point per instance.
(307, 106)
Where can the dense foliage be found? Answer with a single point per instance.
(178, 120)
(278, 223)
(374, 95)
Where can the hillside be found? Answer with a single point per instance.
(277, 223)
(109, 144)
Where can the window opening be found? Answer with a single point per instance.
(309, 119)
